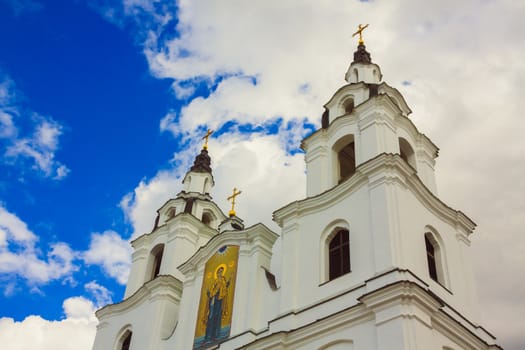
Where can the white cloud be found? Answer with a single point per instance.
(76, 331)
(20, 256)
(78, 308)
(40, 148)
(14, 229)
(256, 164)
(112, 252)
(140, 206)
(7, 126)
(35, 147)
(6, 90)
(61, 172)
(100, 293)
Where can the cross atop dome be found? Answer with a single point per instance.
(199, 178)
(361, 55)
(360, 32)
(362, 69)
(202, 163)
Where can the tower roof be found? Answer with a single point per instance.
(202, 162)
(361, 55)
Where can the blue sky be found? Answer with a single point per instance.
(103, 102)
(67, 65)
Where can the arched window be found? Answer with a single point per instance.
(344, 150)
(156, 260)
(431, 259)
(407, 153)
(434, 256)
(339, 254)
(346, 158)
(348, 105)
(124, 342)
(206, 219)
(338, 345)
(171, 213)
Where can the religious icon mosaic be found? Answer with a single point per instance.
(216, 301)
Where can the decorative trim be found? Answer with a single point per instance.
(396, 166)
(257, 234)
(166, 285)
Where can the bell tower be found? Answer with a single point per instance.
(362, 120)
(384, 239)
(150, 309)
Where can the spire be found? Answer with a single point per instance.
(362, 69)
(202, 162)
(361, 55)
(199, 178)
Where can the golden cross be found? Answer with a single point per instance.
(205, 137)
(360, 32)
(232, 197)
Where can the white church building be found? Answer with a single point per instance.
(371, 258)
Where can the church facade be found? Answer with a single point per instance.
(370, 259)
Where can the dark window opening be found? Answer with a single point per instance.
(407, 153)
(127, 341)
(431, 259)
(349, 106)
(346, 162)
(324, 119)
(339, 255)
(189, 205)
(206, 219)
(157, 261)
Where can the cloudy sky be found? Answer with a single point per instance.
(102, 103)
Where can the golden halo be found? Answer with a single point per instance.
(224, 267)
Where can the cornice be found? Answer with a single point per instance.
(399, 99)
(418, 136)
(401, 290)
(469, 335)
(165, 285)
(384, 162)
(257, 234)
(349, 87)
(389, 289)
(363, 111)
(179, 220)
(167, 202)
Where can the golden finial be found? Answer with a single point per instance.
(360, 32)
(205, 137)
(232, 198)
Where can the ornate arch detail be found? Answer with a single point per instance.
(155, 258)
(209, 218)
(406, 151)
(122, 335)
(338, 345)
